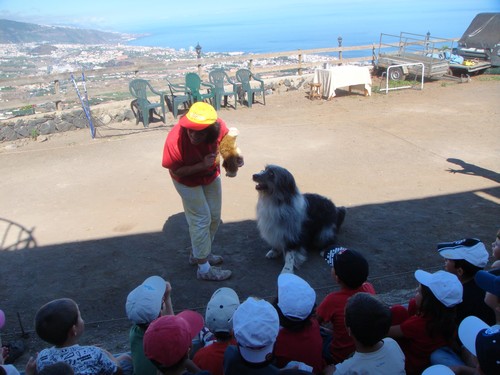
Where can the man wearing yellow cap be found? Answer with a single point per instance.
(189, 154)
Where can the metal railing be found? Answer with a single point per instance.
(57, 89)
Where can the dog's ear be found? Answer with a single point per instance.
(285, 181)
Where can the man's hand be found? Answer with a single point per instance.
(209, 160)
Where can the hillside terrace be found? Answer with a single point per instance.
(30, 79)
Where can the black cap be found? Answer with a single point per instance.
(350, 266)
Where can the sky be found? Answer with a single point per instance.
(131, 15)
(254, 25)
(119, 14)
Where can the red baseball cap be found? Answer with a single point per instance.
(168, 338)
(200, 116)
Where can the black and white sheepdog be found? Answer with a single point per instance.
(293, 223)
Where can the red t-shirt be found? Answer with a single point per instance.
(211, 357)
(417, 345)
(179, 151)
(332, 310)
(303, 346)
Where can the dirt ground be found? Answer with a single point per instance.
(91, 219)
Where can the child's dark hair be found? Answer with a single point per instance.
(58, 368)
(442, 320)
(469, 269)
(54, 320)
(291, 323)
(368, 318)
(223, 336)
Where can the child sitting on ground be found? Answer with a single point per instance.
(168, 340)
(255, 325)
(144, 304)
(299, 338)
(483, 342)
(59, 323)
(368, 320)
(433, 326)
(464, 258)
(470, 327)
(350, 271)
(218, 319)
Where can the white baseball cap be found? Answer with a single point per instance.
(470, 249)
(144, 302)
(296, 298)
(444, 285)
(468, 330)
(256, 326)
(483, 341)
(220, 310)
(438, 370)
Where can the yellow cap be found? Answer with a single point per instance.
(200, 116)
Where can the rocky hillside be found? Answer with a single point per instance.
(21, 32)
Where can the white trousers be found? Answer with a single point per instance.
(202, 207)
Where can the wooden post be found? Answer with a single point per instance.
(300, 63)
(198, 57)
(58, 103)
(339, 39)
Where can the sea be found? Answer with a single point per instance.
(360, 23)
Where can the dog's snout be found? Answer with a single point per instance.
(256, 176)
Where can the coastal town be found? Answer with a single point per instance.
(42, 85)
(28, 71)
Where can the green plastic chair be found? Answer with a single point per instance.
(245, 77)
(194, 84)
(219, 78)
(139, 90)
(179, 95)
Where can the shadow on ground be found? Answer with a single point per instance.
(396, 238)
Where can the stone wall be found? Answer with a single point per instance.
(32, 126)
(43, 124)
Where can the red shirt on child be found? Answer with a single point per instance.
(417, 345)
(303, 346)
(211, 357)
(332, 310)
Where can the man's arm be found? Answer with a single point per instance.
(189, 170)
